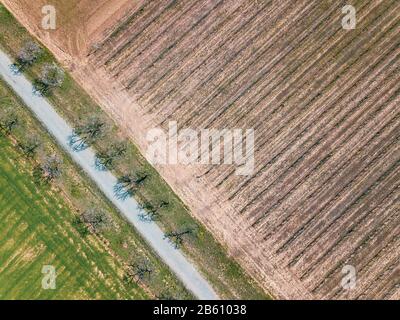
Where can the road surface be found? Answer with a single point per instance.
(105, 180)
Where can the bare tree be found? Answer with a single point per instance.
(52, 76)
(105, 160)
(128, 184)
(97, 219)
(139, 271)
(177, 237)
(149, 212)
(8, 120)
(27, 56)
(85, 134)
(50, 169)
(29, 146)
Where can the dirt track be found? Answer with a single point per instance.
(324, 103)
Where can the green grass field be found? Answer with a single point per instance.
(226, 276)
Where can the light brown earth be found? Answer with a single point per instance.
(324, 102)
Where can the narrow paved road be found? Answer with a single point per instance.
(47, 115)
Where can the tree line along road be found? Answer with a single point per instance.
(106, 181)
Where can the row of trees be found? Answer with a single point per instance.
(85, 134)
(51, 75)
(91, 130)
(50, 167)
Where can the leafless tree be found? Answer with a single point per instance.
(139, 271)
(128, 184)
(8, 120)
(52, 76)
(177, 237)
(150, 212)
(105, 160)
(97, 219)
(27, 56)
(50, 169)
(85, 134)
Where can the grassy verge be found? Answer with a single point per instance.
(74, 104)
